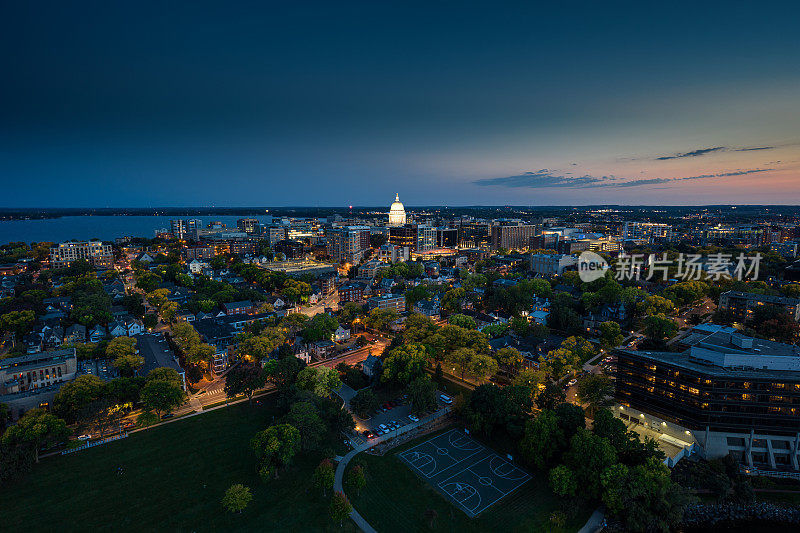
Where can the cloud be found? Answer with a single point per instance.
(754, 149)
(542, 179)
(545, 178)
(704, 151)
(693, 153)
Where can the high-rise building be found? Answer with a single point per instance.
(647, 232)
(446, 237)
(99, 254)
(425, 239)
(178, 228)
(193, 225)
(347, 243)
(248, 225)
(276, 233)
(512, 237)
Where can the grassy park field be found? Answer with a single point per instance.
(396, 500)
(174, 478)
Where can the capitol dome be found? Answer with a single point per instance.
(397, 212)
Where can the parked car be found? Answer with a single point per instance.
(572, 382)
(445, 399)
(167, 415)
(84, 437)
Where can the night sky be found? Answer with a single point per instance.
(448, 103)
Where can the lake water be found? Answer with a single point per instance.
(106, 228)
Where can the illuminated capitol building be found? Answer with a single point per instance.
(397, 212)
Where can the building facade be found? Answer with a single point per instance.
(742, 304)
(99, 254)
(515, 237)
(729, 394)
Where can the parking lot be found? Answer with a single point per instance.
(101, 368)
(391, 417)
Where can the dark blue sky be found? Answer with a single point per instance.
(335, 103)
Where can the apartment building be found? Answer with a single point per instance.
(99, 254)
(742, 304)
(728, 394)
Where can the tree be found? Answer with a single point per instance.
(596, 391)
(245, 378)
(168, 312)
(482, 366)
(551, 396)
(530, 377)
(356, 480)
(380, 319)
(461, 359)
(320, 380)
(323, 476)
(5, 414)
(305, 417)
(405, 363)
(422, 395)
(286, 371)
(463, 321)
(364, 402)
(543, 440)
(75, 395)
(236, 498)
(340, 507)
(588, 457)
(562, 481)
(644, 498)
(571, 418)
(490, 406)
(321, 327)
(610, 335)
(17, 322)
(509, 357)
(659, 328)
(123, 353)
(275, 447)
(161, 396)
(35, 429)
(258, 347)
(567, 358)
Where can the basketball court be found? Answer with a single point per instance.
(464, 471)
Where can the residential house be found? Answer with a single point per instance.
(97, 334)
(428, 308)
(76, 333)
(322, 349)
(341, 334)
(115, 289)
(243, 307)
(371, 366)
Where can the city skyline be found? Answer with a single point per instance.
(327, 105)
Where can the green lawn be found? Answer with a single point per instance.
(175, 476)
(395, 499)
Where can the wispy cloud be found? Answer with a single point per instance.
(705, 151)
(693, 153)
(543, 179)
(754, 149)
